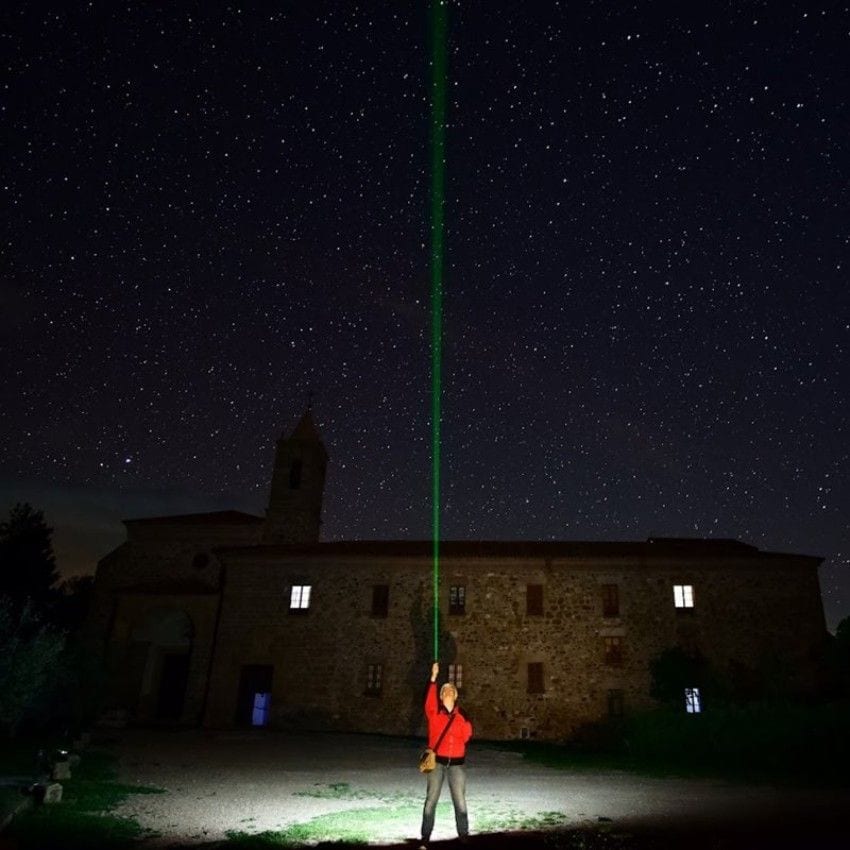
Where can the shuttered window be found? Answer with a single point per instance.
(535, 678)
(534, 599)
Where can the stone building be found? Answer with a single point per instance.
(227, 618)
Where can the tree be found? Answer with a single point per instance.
(28, 571)
(841, 652)
(79, 684)
(673, 670)
(73, 599)
(43, 675)
(842, 636)
(29, 662)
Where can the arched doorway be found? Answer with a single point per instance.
(164, 639)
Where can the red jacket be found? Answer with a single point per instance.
(453, 744)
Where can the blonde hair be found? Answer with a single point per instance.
(448, 686)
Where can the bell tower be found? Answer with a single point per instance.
(294, 513)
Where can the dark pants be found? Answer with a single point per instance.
(457, 785)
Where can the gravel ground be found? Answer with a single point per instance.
(256, 781)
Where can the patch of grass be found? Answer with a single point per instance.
(10, 799)
(93, 786)
(358, 827)
(354, 827)
(62, 826)
(8, 796)
(493, 820)
(100, 796)
(82, 820)
(96, 765)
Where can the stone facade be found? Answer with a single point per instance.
(544, 636)
(166, 565)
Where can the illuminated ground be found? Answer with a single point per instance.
(347, 788)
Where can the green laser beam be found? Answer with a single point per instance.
(439, 15)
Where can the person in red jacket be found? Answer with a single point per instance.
(451, 754)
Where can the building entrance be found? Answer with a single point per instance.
(174, 674)
(254, 698)
(162, 643)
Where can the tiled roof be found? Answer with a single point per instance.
(651, 548)
(211, 518)
(172, 587)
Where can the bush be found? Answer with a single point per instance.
(29, 662)
(758, 741)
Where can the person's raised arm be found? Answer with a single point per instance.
(431, 705)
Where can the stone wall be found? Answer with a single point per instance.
(320, 657)
(744, 607)
(162, 566)
(136, 668)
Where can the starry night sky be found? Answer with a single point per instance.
(211, 212)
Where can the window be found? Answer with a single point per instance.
(693, 704)
(615, 703)
(295, 475)
(683, 596)
(614, 651)
(380, 600)
(299, 599)
(610, 600)
(456, 675)
(534, 599)
(535, 678)
(374, 679)
(457, 599)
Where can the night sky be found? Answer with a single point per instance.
(211, 211)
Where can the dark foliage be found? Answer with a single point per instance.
(71, 603)
(774, 741)
(48, 677)
(675, 669)
(30, 653)
(28, 571)
(841, 656)
(763, 741)
(84, 820)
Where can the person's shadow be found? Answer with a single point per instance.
(422, 628)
